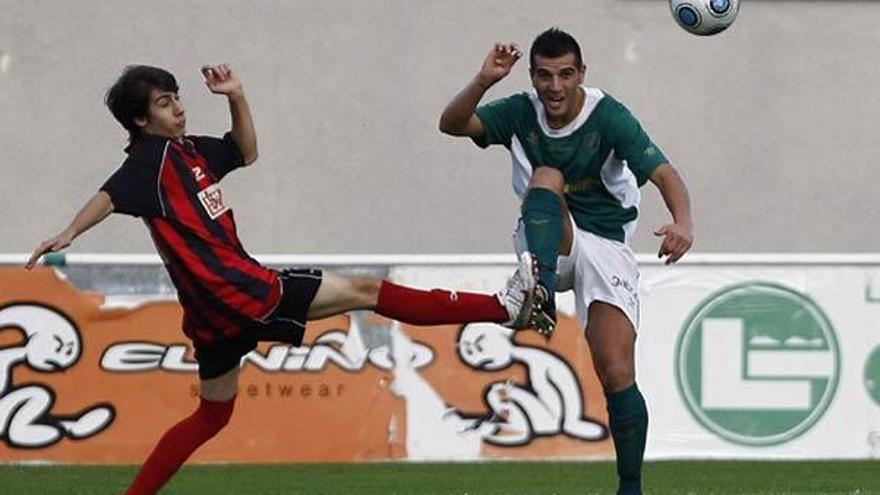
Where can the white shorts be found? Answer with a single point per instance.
(598, 269)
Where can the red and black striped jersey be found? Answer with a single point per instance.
(175, 188)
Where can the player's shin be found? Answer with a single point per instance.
(542, 220)
(178, 443)
(437, 307)
(628, 419)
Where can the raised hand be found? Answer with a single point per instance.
(221, 80)
(498, 63)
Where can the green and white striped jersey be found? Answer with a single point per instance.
(604, 155)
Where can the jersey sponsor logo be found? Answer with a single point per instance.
(557, 147)
(757, 363)
(580, 185)
(212, 200)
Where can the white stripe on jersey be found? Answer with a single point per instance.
(522, 168)
(622, 184)
(594, 96)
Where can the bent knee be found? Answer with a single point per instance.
(548, 178)
(366, 289)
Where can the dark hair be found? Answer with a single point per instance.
(129, 97)
(554, 43)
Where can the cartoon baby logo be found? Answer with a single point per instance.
(53, 345)
(551, 403)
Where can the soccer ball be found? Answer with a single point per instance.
(704, 17)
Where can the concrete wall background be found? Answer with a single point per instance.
(774, 124)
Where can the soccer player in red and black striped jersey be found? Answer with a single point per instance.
(230, 302)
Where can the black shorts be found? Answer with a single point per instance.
(287, 324)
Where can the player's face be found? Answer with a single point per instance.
(557, 81)
(165, 115)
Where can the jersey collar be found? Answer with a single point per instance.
(593, 96)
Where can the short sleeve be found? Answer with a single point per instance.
(499, 120)
(632, 143)
(134, 187)
(223, 155)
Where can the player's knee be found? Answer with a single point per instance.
(616, 376)
(548, 178)
(366, 289)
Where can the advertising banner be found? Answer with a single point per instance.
(734, 361)
(762, 362)
(83, 383)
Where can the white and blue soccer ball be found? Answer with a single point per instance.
(704, 17)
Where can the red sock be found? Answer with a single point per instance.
(437, 307)
(178, 443)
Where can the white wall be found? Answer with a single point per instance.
(773, 124)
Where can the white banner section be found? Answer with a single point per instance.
(761, 360)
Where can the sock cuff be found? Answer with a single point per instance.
(624, 401)
(216, 407)
(385, 289)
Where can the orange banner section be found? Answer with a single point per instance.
(79, 383)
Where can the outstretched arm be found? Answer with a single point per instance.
(679, 235)
(95, 210)
(458, 118)
(221, 80)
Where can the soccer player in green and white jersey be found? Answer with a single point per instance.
(579, 157)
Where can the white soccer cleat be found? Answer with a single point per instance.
(518, 297)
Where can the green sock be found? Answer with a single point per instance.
(542, 217)
(628, 418)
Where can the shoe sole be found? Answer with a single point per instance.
(527, 268)
(543, 323)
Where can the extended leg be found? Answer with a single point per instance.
(339, 294)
